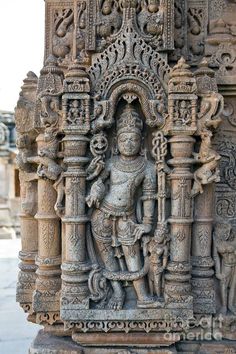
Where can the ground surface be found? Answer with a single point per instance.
(16, 334)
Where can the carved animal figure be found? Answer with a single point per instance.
(209, 171)
(110, 19)
(62, 39)
(150, 19)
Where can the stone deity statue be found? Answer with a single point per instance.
(116, 228)
(225, 266)
(158, 248)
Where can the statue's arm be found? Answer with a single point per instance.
(204, 109)
(216, 258)
(148, 199)
(98, 189)
(165, 257)
(106, 172)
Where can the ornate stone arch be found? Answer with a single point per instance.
(129, 90)
(129, 65)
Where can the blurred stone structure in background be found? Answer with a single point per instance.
(127, 178)
(10, 185)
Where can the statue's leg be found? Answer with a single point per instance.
(102, 231)
(223, 290)
(224, 283)
(158, 283)
(231, 297)
(134, 264)
(151, 281)
(111, 263)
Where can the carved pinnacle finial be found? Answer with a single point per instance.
(181, 69)
(51, 66)
(203, 69)
(30, 82)
(205, 77)
(76, 69)
(31, 75)
(181, 64)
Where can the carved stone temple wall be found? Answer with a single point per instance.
(127, 165)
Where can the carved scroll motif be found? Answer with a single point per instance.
(180, 32)
(197, 18)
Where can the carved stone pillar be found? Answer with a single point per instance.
(182, 116)
(179, 267)
(28, 191)
(123, 257)
(202, 262)
(75, 267)
(46, 121)
(48, 283)
(29, 241)
(210, 107)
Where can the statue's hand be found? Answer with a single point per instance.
(93, 164)
(220, 276)
(141, 229)
(96, 194)
(145, 244)
(92, 200)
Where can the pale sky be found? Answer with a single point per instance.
(22, 46)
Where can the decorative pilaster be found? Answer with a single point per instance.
(202, 282)
(28, 190)
(48, 283)
(76, 124)
(210, 108)
(47, 120)
(182, 123)
(29, 236)
(29, 241)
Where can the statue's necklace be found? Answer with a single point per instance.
(130, 165)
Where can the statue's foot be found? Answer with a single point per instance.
(232, 309)
(150, 302)
(223, 310)
(116, 302)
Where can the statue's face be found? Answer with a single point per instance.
(107, 8)
(153, 5)
(129, 143)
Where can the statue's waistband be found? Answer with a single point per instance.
(115, 211)
(230, 264)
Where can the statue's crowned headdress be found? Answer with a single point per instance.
(129, 121)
